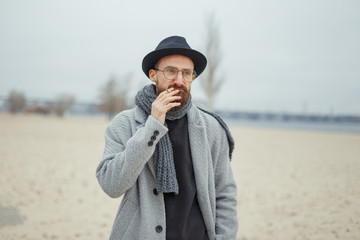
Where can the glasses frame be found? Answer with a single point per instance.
(177, 72)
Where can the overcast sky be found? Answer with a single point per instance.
(278, 55)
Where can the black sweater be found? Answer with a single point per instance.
(184, 219)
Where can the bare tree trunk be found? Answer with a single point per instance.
(210, 81)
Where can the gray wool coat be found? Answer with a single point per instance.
(127, 168)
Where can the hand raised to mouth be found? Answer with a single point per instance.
(163, 103)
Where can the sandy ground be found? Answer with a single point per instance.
(291, 184)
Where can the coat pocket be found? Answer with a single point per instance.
(124, 216)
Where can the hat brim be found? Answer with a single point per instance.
(153, 57)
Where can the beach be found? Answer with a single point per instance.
(291, 184)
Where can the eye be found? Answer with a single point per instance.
(187, 72)
(171, 70)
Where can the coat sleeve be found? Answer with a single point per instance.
(125, 155)
(226, 224)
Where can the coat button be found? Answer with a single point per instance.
(150, 143)
(153, 138)
(158, 229)
(155, 191)
(156, 132)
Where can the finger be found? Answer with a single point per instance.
(172, 105)
(165, 94)
(169, 99)
(171, 93)
(169, 90)
(165, 100)
(173, 98)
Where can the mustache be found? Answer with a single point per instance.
(179, 87)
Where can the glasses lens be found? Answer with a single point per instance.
(187, 75)
(170, 72)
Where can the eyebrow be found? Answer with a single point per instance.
(179, 68)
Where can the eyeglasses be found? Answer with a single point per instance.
(171, 72)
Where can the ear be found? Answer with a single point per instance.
(152, 75)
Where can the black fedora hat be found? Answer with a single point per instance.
(171, 46)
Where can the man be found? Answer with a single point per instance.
(169, 159)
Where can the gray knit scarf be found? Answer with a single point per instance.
(163, 155)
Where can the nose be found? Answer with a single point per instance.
(178, 80)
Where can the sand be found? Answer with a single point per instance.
(291, 184)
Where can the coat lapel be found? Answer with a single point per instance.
(200, 158)
(198, 148)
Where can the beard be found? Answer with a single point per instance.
(184, 93)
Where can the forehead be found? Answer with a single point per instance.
(178, 61)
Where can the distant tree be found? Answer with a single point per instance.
(113, 95)
(62, 104)
(211, 81)
(16, 102)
